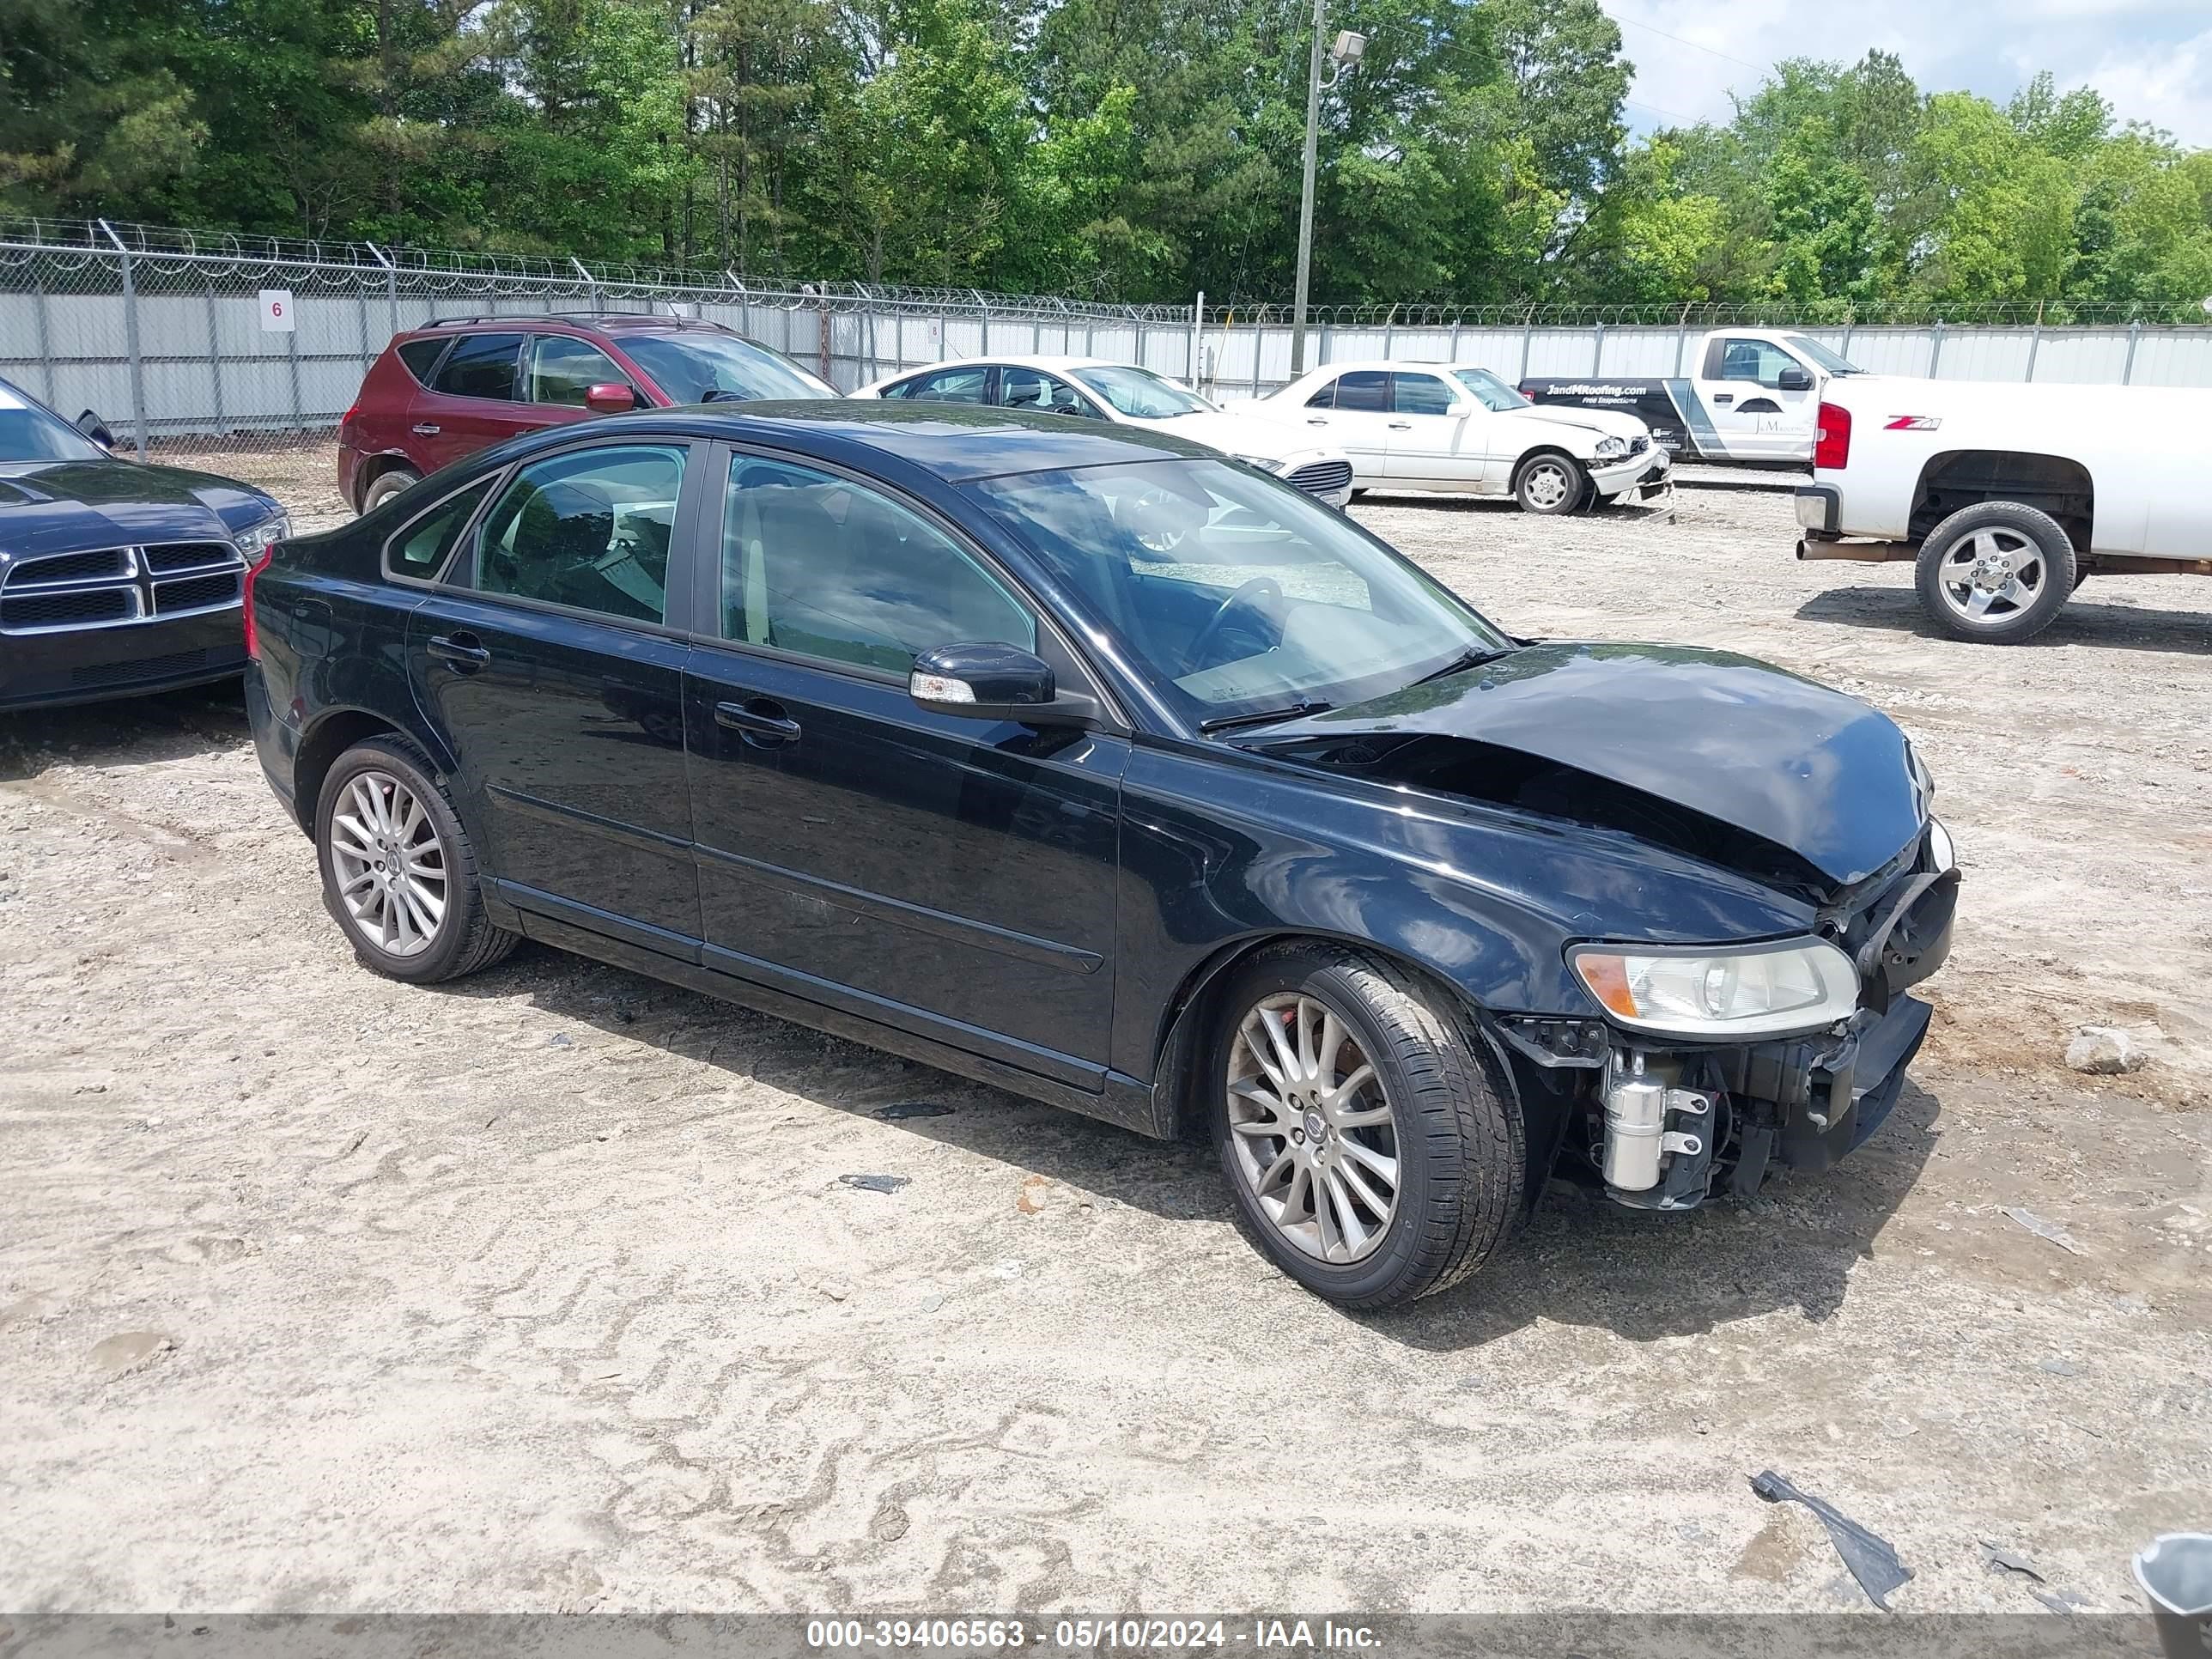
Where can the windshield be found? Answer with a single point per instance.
(1493, 392)
(29, 433)
(1140, 394)
(703, 367)
(1239, 596)
(1827, 361)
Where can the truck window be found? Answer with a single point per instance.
(1734, 358)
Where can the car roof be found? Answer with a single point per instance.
(1018, 360)
(606, 322)
(955, 443)
(1367, 364)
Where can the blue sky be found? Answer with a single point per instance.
(2151, 58)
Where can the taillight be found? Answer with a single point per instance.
(254, 568)
(1833, 446)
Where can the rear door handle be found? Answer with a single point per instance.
(465, 651)
(1401, 426)
(426, 430)
(761, 721)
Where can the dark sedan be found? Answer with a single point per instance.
(1093, 764)
(116, 578)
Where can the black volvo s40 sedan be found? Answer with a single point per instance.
(1096, 765)
(116, 578)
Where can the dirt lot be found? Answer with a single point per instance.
(543, 1290)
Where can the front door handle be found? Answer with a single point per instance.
(1316, 420)
(465, 652)
(1401, 426)
(761, 720)
(427, 431)
(1724, 396)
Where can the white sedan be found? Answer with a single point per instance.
(1436, 426)
(1120, 392)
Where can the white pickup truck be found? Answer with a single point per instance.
(1749, 396)
(2008, 496)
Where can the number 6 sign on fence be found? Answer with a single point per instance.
(276, 311)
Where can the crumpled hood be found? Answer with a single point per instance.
(1242, 435)
(1818, 773)
(1605, 422)
(63, 506)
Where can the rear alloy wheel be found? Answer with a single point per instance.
(1549, 483)
(1997, 572)
(1370, 1152)
(398, 873)
(387, 485)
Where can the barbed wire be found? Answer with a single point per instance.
(1822, 316)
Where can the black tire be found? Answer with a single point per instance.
(387, 485)
(1456, 1130)
(464, 939)
(1955, 569)
(1359, 494)
(1550, 482)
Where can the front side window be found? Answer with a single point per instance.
(701, 366)
(1365, 389)
(420, 550)
(588, 529)
(1755, 360)
(480, 365)
(562, 369)
(1419, 394)
(1139, 393)
(1241, 596)
(1032, 388)
(1490, 392)
(968, 384)
(814, 564)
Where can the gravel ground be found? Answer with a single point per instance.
(542, 1291)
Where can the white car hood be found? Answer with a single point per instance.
(1605, 423)
(1241, 434)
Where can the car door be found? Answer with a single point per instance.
(1753, 413)
(559, 370)
(1034, 389)
(472, 401)
(951, 878)
(1357, 416)
(550, 662)
(1429, 442)
(961, 383)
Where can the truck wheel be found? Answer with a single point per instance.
(1549, 483)
(1373, 1153)
(1996, 572)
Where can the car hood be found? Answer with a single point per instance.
(1603, 422)
(63, 506)
(1723, 756)
(1239, 435)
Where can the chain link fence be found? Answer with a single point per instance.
(240, 354)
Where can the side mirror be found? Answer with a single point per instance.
(991, 682)
(1794, 379)
(1463, 407)
(97, 429)
(609, 397)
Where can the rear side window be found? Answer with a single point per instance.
(1324, 398)
(481, 366)
(1364, 388)
(420, 357)
(1420, 394)
(562, 369)
(420, 550)
(588, 529)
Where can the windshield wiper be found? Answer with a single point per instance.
(1265, 716)
(1460, 664)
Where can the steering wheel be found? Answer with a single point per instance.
(1259, 589)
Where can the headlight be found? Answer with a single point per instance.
(1263, 462)
(1941, 854)
(1759, 990)
(1612, 449)
(254, 544)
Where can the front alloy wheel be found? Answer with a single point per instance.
(1549, 484)
(1373, 1148)
(1316, 1140)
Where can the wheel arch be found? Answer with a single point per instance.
(373, 467)
(332, 732)
(1958, 478)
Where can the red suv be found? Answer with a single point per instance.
(440, 393)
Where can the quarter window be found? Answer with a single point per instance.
(420, 550)
(1419, 394)
(589, 530)
(819, 566)
(1366, 389)
(420, 357)
(562, 369)
(1324, 398)
(480, 365)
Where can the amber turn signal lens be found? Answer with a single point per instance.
(1607, 979)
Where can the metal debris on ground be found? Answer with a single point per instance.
(2042, 1229)
(899, 1109)
(1998, 1558)
(1868, 1555)
(876, 1183)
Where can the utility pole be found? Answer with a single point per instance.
(1344, 53)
